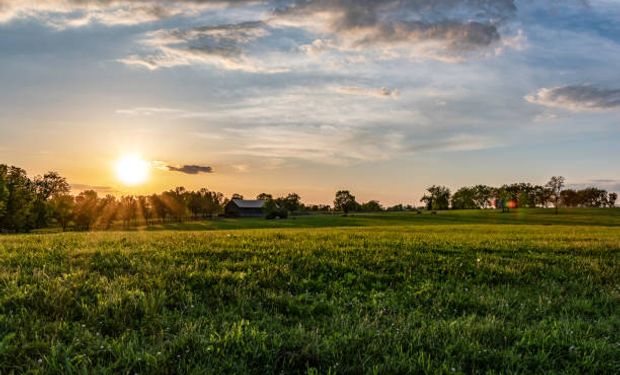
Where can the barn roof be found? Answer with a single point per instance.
(242, 203)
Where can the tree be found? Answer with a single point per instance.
(612, 199)
(465, 199)
(345, 201)
(86, 209)
(214, 202)
(437, 199)
(542, 196)
(272, 210)
(62, 206)
(371, 206)
(159, 208)
(195, 203)
(483, 195)
(4, 191)
(236, 196)
(45, 187)
(264, 197)
(145, 210)
(19, 197)
(175, 202)
(555, 185)
(128, 209)
(107, 211)
(290, 203)
(570, 198)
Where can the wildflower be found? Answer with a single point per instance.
(40, 360)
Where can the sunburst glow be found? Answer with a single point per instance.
(132, 170)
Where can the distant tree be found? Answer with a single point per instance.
(371, 206)
(438, 198)
(47, 186)
(319, 207)
(62, 206)
(50, 184)
(159, 208)
(264, 197)
(345, 202)
(175, 202)
(290, 203)
(542, 196)
(128, 210)
(555, 185)
(237, 196)
(505, 198)
(570, 198)
(272, 210)
(612, 199)
(465, 199)
(19, 198)
(107, 211)
(145, 211)
(214, 202)
(483, 195)
(86, 209)
(195, 203)
(4, 192)
(592, 197)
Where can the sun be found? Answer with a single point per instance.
(132, 170)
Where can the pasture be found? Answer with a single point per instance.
(457, 292)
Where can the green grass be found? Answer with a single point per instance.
(587, 217)
(470, 292)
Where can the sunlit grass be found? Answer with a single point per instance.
(382, 299)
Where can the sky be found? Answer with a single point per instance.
(380, 97)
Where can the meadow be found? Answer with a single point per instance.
(457, 292)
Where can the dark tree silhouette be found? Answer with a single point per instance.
(555, 185)
(345, 202)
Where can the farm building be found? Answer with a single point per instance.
(244, 208)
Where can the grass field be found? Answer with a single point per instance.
(457, 292)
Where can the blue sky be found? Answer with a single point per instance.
(380, 97)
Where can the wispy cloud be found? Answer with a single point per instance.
(607, 184)
(383, 92)
(221, 46)
(577, 98)
(150, 111)
(79, 13)
(97, 188)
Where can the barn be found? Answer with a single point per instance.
(244, 208)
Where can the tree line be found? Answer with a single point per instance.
(43, 201)
(516, 195)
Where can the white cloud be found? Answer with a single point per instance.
(577, 98)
